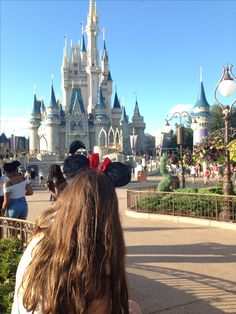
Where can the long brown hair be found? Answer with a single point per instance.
(81, 256)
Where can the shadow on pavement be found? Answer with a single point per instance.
(188, 253)
(163, 290)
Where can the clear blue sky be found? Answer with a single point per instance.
(155, 49)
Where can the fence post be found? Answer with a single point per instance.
(173, 203)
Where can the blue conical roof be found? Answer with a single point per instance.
(3, 138)
(124, 117)
(36, 106)
(105, 50)
(83, 48)
(136, 109)
(53, 103)
(100, 102)
(109, 78)
(201, 101)
(116, 103)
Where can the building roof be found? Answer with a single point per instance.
(100, 101)
(116, 104)
(52, 116)
(101, 116)
(76, 92)
(105, 51)
(109, 78)
(201, 114)
(53, 103)
(34, 120)
(124, 117)
(201, 101)
(36, 110)
(3, 138)
(83, 48)
(136, 109)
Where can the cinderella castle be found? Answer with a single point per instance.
(87, 112)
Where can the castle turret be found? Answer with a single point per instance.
(83, 51)
(52, 124)
(34, 124)
(116, 112)
(201, 111)
(65, 73)
(126, 131)
(139, 126)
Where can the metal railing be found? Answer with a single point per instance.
(21, 229)
(207, 206)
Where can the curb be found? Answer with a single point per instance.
(180, 219)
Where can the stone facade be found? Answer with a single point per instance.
(86, 112)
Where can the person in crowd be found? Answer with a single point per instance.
(56, 181)
(41, 176)
(82, 268)
(216, 171)
(206, 175)
(15, 189)
(77, 147)
(3, 179)
(193, 173)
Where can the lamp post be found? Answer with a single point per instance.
(226, 86)
(133, 145)
(180, 138)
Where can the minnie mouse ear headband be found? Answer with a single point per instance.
(74, 164)
(76, 145)
(118, 173)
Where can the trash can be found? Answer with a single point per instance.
(142, 176)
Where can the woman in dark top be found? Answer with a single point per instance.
(56, 181)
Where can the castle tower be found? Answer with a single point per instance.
(92, 68)
(116, 112)
(83, 51)
(34, 124)
(52, 125)
(126, 130)
(201, 111)
(139, 126)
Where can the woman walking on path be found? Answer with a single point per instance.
(15, 189)
(81, 269)
(56, 181)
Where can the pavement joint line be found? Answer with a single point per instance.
(184, 304)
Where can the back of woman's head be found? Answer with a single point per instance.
(54, 171)
(10, 167)
(84, 259)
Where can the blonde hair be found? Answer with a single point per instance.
(81, 256)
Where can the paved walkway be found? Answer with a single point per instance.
(173, 268)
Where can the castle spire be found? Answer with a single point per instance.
(92, 8)
(53, 103)
(136, 109)
(124, 117)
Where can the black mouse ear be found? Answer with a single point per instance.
(118, 173)
(74, 146)
(74, 164)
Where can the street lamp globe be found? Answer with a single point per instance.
(227, 83)
(227, 87)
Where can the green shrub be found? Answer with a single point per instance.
(211, 190)
(186, 190)
(165, 183)
(11, 250)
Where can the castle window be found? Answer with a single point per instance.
(75, 72)
(75, 64)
